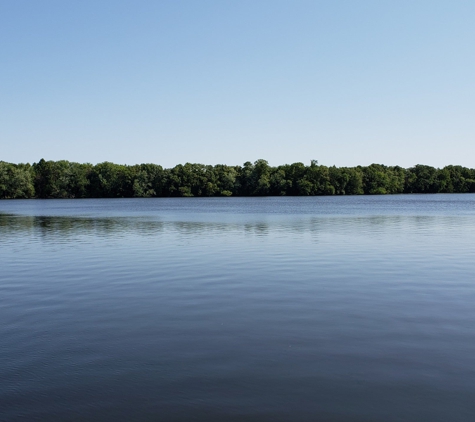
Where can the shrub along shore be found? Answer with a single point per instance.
(64, 179)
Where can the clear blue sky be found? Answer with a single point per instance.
(343, 82)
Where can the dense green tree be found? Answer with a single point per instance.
(77, 180)
(421, 179)
(109, 180)
(52, 179)
(278, 183)
(261, 178)
(147, 180)
(245, 183)
(226, 177)
(190, 180)
(319, 176)
(460, 179)
(375, 179)
(16, 181)
(64, 179)
(354, 184)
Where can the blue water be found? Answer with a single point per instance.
(238, 309)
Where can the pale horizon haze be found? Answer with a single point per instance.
(224, 82)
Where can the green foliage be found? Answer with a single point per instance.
(64, 179)
(422, 179)
(16, 181)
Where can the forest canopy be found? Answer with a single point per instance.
(64, 179)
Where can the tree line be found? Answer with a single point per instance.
(64, 179)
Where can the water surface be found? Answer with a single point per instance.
(255, 309)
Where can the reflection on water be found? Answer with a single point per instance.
(259, 309)
(67, 227)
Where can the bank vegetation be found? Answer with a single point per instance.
(64, 179)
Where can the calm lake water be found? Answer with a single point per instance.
(238, 309)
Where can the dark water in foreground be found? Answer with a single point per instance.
(252, 309)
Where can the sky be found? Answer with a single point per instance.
(224, 82)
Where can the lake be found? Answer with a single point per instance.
(238, 309)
